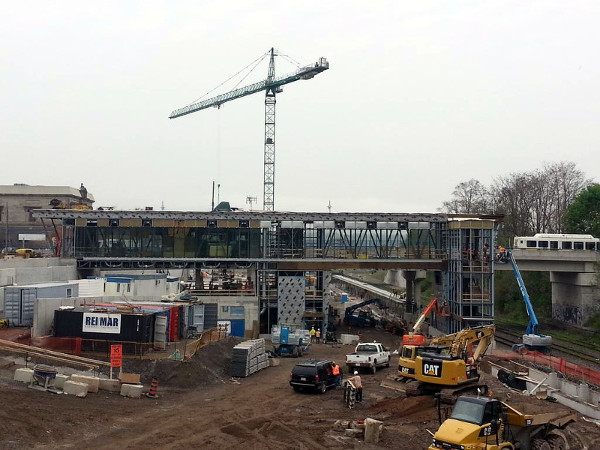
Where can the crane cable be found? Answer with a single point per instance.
(253, 63)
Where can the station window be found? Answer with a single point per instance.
(554, 245)
(224, 309)
(578, 245)
(236, 310)
(543, 244)
(567, 245)
(531, 244)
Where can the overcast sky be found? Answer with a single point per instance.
(419, 97)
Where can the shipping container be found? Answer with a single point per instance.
(19, 301)
(132, 327)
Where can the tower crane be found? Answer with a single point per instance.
(271, 86)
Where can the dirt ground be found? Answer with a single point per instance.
(201, 405)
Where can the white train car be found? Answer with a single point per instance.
(542, 241)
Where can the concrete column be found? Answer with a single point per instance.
(575, 296)
(394, 277)
(413, 286)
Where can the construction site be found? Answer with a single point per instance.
(188, 396)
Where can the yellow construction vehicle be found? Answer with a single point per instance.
(453, 370)
(414, 343)
(486, 423)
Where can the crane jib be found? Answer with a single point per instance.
(304, 73)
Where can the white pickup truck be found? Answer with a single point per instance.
(370, 355)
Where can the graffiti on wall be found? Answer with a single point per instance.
(570, 314)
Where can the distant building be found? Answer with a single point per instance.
(19, 200)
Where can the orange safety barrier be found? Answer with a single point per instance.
(562, 365)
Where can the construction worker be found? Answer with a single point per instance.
(312, 334)
(336, 372)
(356, 381)
(318, 335)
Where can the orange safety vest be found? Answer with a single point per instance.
(336, 370)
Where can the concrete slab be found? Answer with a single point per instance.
(132, 390)
(24, 375)
(92, 382)
(59, 381)
(113, 385)
(75, 388)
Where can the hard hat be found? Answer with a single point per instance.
(356, 372)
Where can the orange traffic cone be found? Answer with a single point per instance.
(153, 387)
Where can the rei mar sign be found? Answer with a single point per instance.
(101, 323)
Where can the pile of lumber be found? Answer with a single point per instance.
(248, 357)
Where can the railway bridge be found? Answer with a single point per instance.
(574, 279)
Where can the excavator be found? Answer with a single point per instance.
(354, 316)
(414, 343)
(453, 369)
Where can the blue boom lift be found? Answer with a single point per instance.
(532, 339)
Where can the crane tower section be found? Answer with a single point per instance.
(271, 86)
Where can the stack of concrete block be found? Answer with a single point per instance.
(132, 390)
(24, 375)
(248, 357)
(59, 381)
(75, 388)
(92, 382)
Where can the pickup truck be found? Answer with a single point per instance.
(370, 355)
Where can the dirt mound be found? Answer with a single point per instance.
(400, 407)
(208, 366)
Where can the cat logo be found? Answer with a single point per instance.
(432, 369)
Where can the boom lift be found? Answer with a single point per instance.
(270, 86)
(454, 371)
(532, 339)
(414, 343)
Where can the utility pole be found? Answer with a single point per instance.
(250, 200)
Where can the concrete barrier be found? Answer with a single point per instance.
(113, 385)
(373, 430)
(92, 382)
(24, 375)
(74, 388)
(132, 390)
(59, 381)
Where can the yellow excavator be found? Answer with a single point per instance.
(453, 370)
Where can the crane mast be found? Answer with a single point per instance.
(271, 86)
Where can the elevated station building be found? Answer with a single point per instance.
(280, 264)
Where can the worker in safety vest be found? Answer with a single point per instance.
(318, 336)
(337, 374)
(312, 334)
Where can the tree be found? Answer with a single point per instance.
(468, 197)
(583, 215)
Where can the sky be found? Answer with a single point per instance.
(419, 97)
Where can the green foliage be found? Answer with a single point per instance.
(509, 301)
(583, 215)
